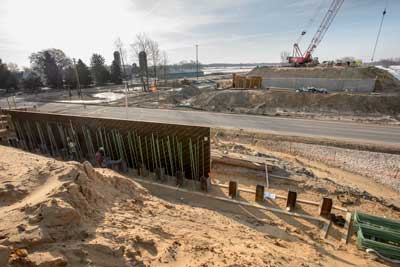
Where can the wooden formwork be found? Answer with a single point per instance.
(252, 82)
(193, 159)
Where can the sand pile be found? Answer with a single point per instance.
(187, 92)
(69, 214)
(55, 203)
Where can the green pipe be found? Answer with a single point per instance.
(181, 156)
(124, 148)
(158, 152)
(165, 155)
(175, 154)
(147, 153)
(170, 156)
(130, 145)
(140, 149)
(191, 157)
(155, 165)
(202, 145)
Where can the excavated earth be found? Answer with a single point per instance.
(368, 108)
(55, 213)
(386, 82)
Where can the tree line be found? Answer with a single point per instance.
(54, 69)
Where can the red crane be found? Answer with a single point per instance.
(298, 57)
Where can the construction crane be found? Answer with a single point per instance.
(298, 57)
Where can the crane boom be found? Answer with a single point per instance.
(325, 24)
(298, 57)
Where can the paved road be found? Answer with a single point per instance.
(388, 135)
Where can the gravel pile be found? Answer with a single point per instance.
(383, 168)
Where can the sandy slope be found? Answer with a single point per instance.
(69, 214)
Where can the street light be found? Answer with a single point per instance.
(197, 61)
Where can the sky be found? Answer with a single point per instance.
(227, 31)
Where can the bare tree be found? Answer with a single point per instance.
(151, 47)
(284, 56)
(154, 56)
(142, 43)
(119, 46)
(164, 64)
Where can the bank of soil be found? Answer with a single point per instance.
(70, 214)
(339, 106)
(376, 173)
(386, 82)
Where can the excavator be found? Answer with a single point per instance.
(300, 59)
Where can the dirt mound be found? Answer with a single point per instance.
(386, 81)
(61, 203)
(74, 215)
(271, 103)
(178, 96)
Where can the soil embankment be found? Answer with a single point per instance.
(386, 82)
(262, 102)
(69, 214)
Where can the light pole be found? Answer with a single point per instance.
(197, 61)
(77, 79)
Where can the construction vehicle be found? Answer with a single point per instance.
(298, 57)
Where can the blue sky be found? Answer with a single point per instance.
(231, 31)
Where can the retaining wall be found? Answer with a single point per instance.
(47, 133)
(332, 85)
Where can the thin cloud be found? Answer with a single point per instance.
(231, 30)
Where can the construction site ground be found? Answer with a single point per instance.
(213, 93)
(55, 213)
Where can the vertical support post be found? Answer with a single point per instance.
(179, 178)
(160, 174)
(348, 226)
(233, 189)
(260, 193)
(325, 207)
(205, 183)
(291, 200)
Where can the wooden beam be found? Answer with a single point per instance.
(291, 200)
(234, 201)
(233, 192)
(260, 193)
(325, 208)
(348, 226)
(304, 201)
(325, 230)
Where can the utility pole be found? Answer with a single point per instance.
(125, 79)
(77, 79)
(197, 60)
(123, 68)
(379, 32)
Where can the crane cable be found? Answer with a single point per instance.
(380, 30)
(314, 16)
